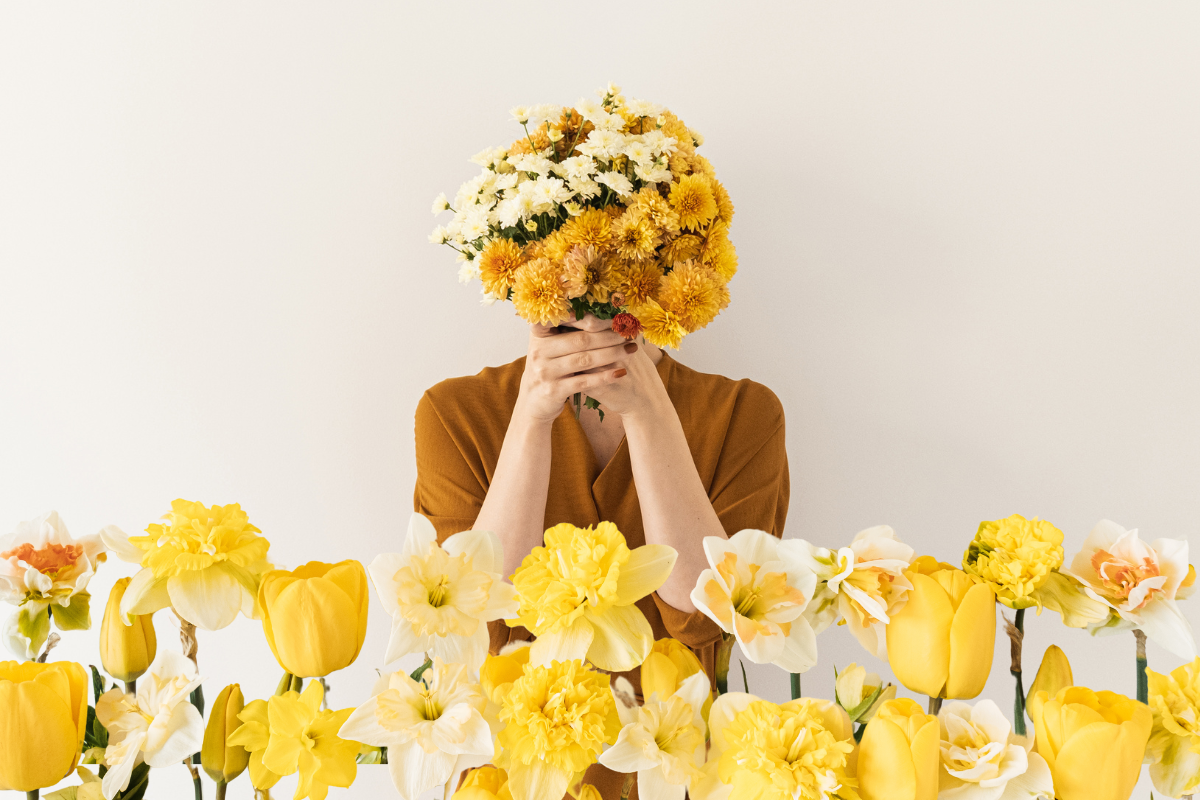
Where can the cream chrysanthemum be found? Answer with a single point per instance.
(1016, 556)
(586, 272)
(538, 293)
(693, 292)
(498, 266)
(692, 198)
(660, 326)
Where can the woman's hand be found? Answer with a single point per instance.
(581, 357)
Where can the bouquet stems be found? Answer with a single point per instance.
(935, 705)
(1143, 683)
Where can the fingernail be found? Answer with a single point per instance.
(631, 347)
(619, 373)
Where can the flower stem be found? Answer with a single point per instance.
(745, 683)
(32, 795)
(795, 686)
(187, 762)
(131, 686)
(627, 787)
(724, 651)
(1016, 635)
(1143, 683)
(935, 705)
(221, 790)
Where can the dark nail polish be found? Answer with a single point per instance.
(619, 373)
(631, 347)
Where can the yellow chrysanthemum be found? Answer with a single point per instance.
(781, 752)
(636, 281)
(692, 292)
(1175, 739)
(650, 203)
(557, 719)
(685, 146)
(634, 236)
(722, 258)
(586, 271)
(554, 247)
(681, 248)
(577, 594)
(592, 227)
(498, 264)
(692, 198)
(661, 327)
(538, 293)
(724, 202)
(1016, 556)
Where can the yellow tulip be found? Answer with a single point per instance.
(315, 617)
(43, 713)
(126, 651)
(900, 754)
(1093, 741)
(941, 642)
(669, 664)
(1053, 675)
(485, 783)
(220, 760)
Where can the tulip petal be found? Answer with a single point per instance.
(415, 772)
(885, 766)
(38, 731)
(622, 638)
(918, 643)
(421, 534)
(208, 598)
(1080, 775)
(537, 780)
(646, 570)
(482, 548)
(564, 645)
(972, 642)
(799, 647)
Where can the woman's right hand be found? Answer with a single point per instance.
(567, 359)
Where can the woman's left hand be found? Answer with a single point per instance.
(640, 392)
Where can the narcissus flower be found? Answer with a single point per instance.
(941, 643)
(799, 750)
(315, 616)
(668, 665)
(577, 594)
(757, 589)
(126, 650)
(441, 598)
(1174, 748)
(290, 734)
(900, 757)
(1076, 725)
(1139, 582)
(43, 567)
(1015, 556)
(43, 714)
(864, 584)
(204, 562)
(861, 693)
(663, 741)
(158, 725)
(556, 719)
(983, 760)
(433, 728)
(221, 761)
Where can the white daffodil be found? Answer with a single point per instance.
(757, 589)
(1139, 582)
(662, 741)
(158, 725)
(44, 572)
(864, 584)
(441, 598)
(433, 729)
(983, 760)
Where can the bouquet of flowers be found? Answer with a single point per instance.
(603, 208)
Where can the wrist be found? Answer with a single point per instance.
(524, 415)
(653, 413)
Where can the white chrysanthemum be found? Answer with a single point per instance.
(548, 192)
(576, 167)
(610, 122)
(638, 151)
(659, 142)
(486, 157)
(590, 109)
(532, 163)
(642, 108)
(652, 173)
(617, 182)
(468, 270)
(439, 235)
(603, 144)
(520, 114)
(544, 112)
(504, 183)
(475, 223)
(440, 203)
(585, 188)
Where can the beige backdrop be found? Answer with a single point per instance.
(967, 235)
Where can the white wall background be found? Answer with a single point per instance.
(967, 231)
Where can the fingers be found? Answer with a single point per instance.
(590, 360)
(591, 380)
(573, 341)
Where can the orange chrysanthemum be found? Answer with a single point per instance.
(724, 203)
(536, 142)
(692, 197)
(627, 325)
(634, 236)
(592, 227)
(681, 248)
(662, 328)
(636, 281)
(586, 272)
(498, 265)
(574, 129)
(538, 293)
(702, 166)
(692, 292)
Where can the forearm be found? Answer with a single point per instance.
(675, 507)
(515, 505)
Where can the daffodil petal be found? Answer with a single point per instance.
(799, 648)
(467, 650)
(208, 598)
(651, 783)
(482, 549)
(183, 735)
(383, 574)
(628, 755)
(646, 570)
(144, 595)
(404, 641)
(622, 640)
(1162, 621)
(421, 534)
(537, 780)
(568, 644)
(415, 772)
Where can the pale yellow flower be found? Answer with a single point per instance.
(981, 759)
(861, 693)
(692, 198)
(1174, 748)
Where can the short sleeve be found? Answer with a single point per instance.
(447, 491)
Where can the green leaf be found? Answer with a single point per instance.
(97, 683)
(419, 671)
(138, 781)
(862, 707)
(33, 624)
(76, 616)
(96, 734)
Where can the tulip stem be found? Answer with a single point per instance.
(221, 790)
(935, 705)
(1016, 635)
(1143, 683)
(796, 691)
(32, 795)
(131, 686)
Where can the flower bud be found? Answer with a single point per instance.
(43, 712)
(861, 693)
(1054, 674)
(315, 617)
(900, 755)
(224, 762)
(126, 651)
(669, 664)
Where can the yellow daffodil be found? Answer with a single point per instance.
(43, 714)
(663, 740)
(484, 783)
(1174, 748)
(204, 562)
(1093, 741)
(669, 664)
(981, 759)
(44, 572)
(557, 718)
(941, 643)
(1053, 674)
(290, 734)
(861, 693)
(315, 616)
(900, 755)
(441, 598)
(221, 761)
(157, 725)
(800, 750)
(126, 650)
(1139, 582)
(864, 584)
(433, 728)
(1015, 556)
(1067, 596)
(577, 594)
(758, 588)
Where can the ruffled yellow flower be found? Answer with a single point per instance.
(538, 293)
(1075, 726)
(1174, 748)
(653, 205)
(315, 616)
(661, 327)
(692, 198)
(499, 672)
(204, 562)
(668, 665)
(586, 272)
(693, 292)
(801, 749)
(484, 783)
(724, 202)
(900, 755)
(593, 227)
(681, 248)
(1015, 556)
(557, 720)
(290, 734)
(577, 596)
(635, 237)
(498, 264)
(43, 713)
(635, 281)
